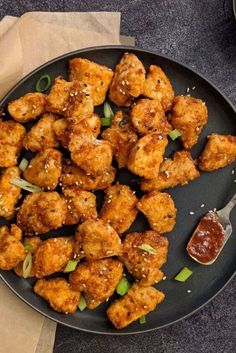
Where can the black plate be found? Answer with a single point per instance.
(211, 189)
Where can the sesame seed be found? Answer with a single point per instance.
(164, 278)
(214, 209)
(187, 89)
(64, 109)
(234, 180)
(145, 306)
(189, 291)
(191, 213)
(202, 205)
(193, 88)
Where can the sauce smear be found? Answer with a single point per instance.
(207, 240)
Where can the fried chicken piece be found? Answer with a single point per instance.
(128, 81)
(189, 115)
(44, 169)
(97, 279)
(9, 194)
(97, 76)
(62, 131)
(159, 208)
(33, 243)
(157, 86)
(119, 207)
(121, 137)
(92, 155)
(219, 151)
(41, 212)
(146, 156)
(11, 142)
(81, 206)
(58, 293)
(27, 107)
(147, 116)
(41, 136)
(142, 264)
(52, 256)
(12, 250)
(99, 240)
(138, 302)
(178, 170)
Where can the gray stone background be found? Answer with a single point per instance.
(202, 34)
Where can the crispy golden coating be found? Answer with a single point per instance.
(97, 76)
(41, 135)
(62, 131)
(27, 107)
(119, 207)
(157, 86)
(219, 152)
(44, 169)
(81, 206)
(97, 279)
(178, 170)
(137, 302)
(147, 115)
(99, 240)
(189, 115)
(9, 194)
(128, 81)
(121, 137)
(11, 249)
(33, 244)
(11, 142)
(90, 154)
(58, 293)
(159, 208)
(146, 156)
(41, 212)
(141, 264)
(52, 256)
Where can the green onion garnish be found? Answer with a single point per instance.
(82, 303)
(27, 246)
(105, 121)
(27, 265)
(148, 248)
(23, 184)
(123, 286)
(42, 86)
(71, 265)
(108, 112)
(183, 275)
(142, 319)
(174, 134)
(23, 164)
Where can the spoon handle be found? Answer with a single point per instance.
(228, 208)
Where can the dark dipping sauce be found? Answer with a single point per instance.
(207, 239)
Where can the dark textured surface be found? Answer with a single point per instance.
(202, 34)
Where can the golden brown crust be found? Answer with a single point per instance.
(11, 249)
(9, 194)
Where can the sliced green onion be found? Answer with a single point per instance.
(23, 164)
(42, 86)
(142, 319)
(27, 246)
(27, 265)
(123, 286)
(174, 134)
(23, 184)
(148, 248)
(108, 112)
(82, 303)
(71, 265)
(183, 275)
(105, 121)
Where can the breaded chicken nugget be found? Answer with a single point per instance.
(146, 156)
(140, 263)
(9, 194)
(178, 170)
(159, 208)
(128, 81)
(219, 152)
(189, 115)
(58, 293)
(137, 302)
(97, 76)
(62, 131)
(90, 154)
(11, 141)
(41, 135)
(41, 212)
(97, 279)
(27, 107)
(121, 136)
(12, 250)
(44, 169)
(99, 240)
(157, 86)
(147, 116)
(119, 207)
(31, 245)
